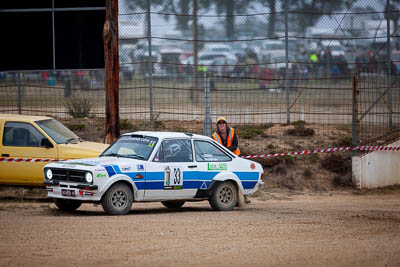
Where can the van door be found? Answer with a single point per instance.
(21, 145)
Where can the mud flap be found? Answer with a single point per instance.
(241, 203)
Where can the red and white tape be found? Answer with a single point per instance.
(29, 160)
(304, 152)
(314, 151)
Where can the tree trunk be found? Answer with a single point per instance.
(110, 39)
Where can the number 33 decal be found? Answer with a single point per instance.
(177, 176)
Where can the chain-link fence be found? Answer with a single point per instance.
(332, 64)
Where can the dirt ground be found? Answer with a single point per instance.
(307, 214)
(279, 228)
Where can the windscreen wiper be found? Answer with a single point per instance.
(70, 140)
(134, 156)
(110, 155)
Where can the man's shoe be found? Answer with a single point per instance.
(247, 200)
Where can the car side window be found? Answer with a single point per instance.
(21, 134)
(205, 151)
(175, 150)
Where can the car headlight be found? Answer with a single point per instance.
(89, 177)
(49, 174)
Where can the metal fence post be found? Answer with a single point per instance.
(389, 63)
(207, 118)
(287, 66)
(355, 121)
(19, 93)
(149, 59)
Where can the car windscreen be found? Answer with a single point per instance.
(57, 131)
(131, 146)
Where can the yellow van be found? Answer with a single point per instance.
(30, 142)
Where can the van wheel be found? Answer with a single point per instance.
(224, 197)
(117, 200)
(67, 204)
(173, 204)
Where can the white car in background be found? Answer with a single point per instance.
(154, 166)
(335, 46)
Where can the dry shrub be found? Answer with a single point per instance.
(280, 169)
(289, 182)
(78, 106)
(337, 163)
(343, 180)
(126, 125)
(300, 130)
(267, 162)
(344, 141)
(307, 173)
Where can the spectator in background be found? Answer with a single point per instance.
(225, 135)
(313, 61)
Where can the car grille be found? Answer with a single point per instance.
(69, 175)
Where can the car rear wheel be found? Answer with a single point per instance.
(173, 204)
(67, 204)
(224, 197)
(117, 200)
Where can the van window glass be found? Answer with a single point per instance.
(21, 134)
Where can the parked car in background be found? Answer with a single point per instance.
(30, 142)
(170, 59)
(218, 48)
(167, 167)
(336, 49)
(395, 57)
(272, 48)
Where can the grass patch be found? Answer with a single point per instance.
(251, 131)
(298, 123)
(126, 125)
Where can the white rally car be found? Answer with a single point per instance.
(154, 166)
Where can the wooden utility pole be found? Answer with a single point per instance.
(111, 60)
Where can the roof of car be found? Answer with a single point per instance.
(163, 135)
(23, 117)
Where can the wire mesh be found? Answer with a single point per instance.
(265, 66)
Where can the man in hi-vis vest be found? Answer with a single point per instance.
(226, 136)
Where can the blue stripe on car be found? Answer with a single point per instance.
(192, 179)
(110, 170)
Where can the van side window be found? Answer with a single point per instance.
(21, 134)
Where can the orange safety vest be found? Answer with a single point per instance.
(229, 141)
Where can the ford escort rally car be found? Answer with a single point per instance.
(142, 166)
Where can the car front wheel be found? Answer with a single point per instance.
(67, 204)
(117, 200)
(224, 197)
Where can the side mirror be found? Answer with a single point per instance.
(46, 143)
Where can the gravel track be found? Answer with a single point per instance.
(333, 229)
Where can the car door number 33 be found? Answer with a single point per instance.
(173, 177)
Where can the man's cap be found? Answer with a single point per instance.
(221, 119)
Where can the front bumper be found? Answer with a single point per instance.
(78, 186)
(76, 191)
